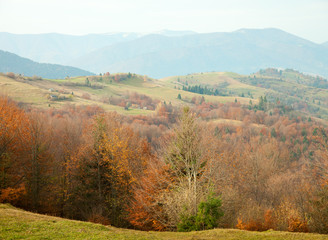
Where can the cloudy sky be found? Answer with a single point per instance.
(305, 18)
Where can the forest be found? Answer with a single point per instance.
(179, 169)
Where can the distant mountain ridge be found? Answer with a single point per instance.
(243, 51)
(58, 48)
(10, 62)
(62, 48)
(169, 53)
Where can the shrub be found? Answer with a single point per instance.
(97, 218)
(86, 96)
(295, 224)
(11, 75)
(268, 222)
(206, 218)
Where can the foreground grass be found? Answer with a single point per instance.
(19, 224)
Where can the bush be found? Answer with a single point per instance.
(268, 222)
(86, 96)
(206, 218)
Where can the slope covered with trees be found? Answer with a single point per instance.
(10, 62)
(168, 171)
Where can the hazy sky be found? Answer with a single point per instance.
(305, 18)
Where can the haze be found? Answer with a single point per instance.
(307, 19)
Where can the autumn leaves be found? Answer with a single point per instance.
(83, 163)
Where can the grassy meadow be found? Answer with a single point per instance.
(19, 224)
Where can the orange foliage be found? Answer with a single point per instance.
(12, 195)
(251, 225)
(145, 212)
(297, 225)
(97, 218)
(14, 135)
(257, 225)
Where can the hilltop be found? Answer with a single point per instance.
(19, 224)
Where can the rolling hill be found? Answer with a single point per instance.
(244, 51)
(19, 224)
(303, 93)
(10, 62)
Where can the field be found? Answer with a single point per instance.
(19, 224)
(290, 87)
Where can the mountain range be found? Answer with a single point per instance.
(168, 53)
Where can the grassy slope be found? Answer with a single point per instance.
(167, 89)
(36, 92)
(19, 224)
(22, 92)
(215, 79)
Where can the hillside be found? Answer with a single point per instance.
(244, 51)
(303, 93)
(266, 145)
(19, 224)
(10, 62)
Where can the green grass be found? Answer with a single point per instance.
(19, 224)
(21, 92)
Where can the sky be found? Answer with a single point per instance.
(305, 18)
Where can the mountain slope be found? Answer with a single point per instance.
(62, 48)
(244, 51)
(58, 48)
(10, 62)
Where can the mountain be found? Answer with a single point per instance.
(243, 51)
(325, 44)
(10, 62)
(171, 33)
(169, 53)
(58, 48)
(62, 48)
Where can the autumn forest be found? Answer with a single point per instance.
(175, 170)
